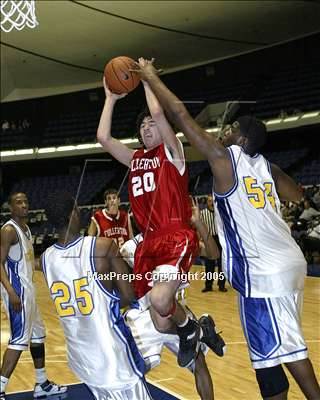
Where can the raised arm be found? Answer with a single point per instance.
(92, 230)
(167, 133)
(286, 187)
(217, 155)
(8, 238)
(113, 146)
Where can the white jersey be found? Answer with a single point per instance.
(101, 350)
(19, 264)
(260, 258)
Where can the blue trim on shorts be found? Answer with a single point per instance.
(37, 338)
(280, 356)
(260, 326)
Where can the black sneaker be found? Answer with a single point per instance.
(189, 344)
(2, 396)
(206, 290)
(210, 337)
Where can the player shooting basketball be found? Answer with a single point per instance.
(158, 194)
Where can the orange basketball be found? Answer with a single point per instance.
(118, 77)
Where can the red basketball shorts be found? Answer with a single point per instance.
(164, 251)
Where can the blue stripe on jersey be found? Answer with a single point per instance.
(229, 272)
(245, 258)
(94, 270)
(71, 244)
(260, 326)
(16, 318)
(124, 333)
(238, 268)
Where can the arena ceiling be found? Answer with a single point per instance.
(179, 34)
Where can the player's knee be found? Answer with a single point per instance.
(272, 381)
(162, 304)
(37, 350)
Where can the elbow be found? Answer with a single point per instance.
(179, 114)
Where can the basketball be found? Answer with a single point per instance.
(118, 77)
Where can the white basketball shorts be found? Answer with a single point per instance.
(272, 328)
(137, 392)
(25, 326)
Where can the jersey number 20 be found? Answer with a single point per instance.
(143, 184)
(61, 293)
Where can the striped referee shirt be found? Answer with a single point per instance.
(207, 216)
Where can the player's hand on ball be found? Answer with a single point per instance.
(145, 68)
(108, 92)
(15, 301)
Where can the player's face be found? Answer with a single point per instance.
(19, 205)
(112, 202)
(231, 134)
(149, 133)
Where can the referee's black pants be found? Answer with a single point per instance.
(210, 267)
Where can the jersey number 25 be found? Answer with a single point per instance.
(62, 295)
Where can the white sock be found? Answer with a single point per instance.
(41, 375)
(184, 323)
(3, 383)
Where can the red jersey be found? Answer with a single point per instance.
(158, 192)
(112, 226)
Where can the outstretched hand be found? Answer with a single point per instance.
(195, 218)
(145, 68)
(108, 92)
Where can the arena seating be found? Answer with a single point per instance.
(291, 89)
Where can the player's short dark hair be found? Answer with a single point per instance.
(59, 208)
(12, 195)
(110, 191)
(255, 131)
(143, 114)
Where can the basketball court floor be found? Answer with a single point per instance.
(232, 375)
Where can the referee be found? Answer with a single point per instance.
(207, 216)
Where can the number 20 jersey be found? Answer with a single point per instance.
(158, 192)
(260, 257)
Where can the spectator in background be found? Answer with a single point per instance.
(309, 212)
(111, 222)
(316, 198)
(207, 216)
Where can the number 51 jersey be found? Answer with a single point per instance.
(100, 348)
(260, 257)
(158, 192)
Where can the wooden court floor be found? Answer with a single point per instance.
(232, 375)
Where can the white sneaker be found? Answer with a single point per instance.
(48, 388)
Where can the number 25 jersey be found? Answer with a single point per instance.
(158, 192)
